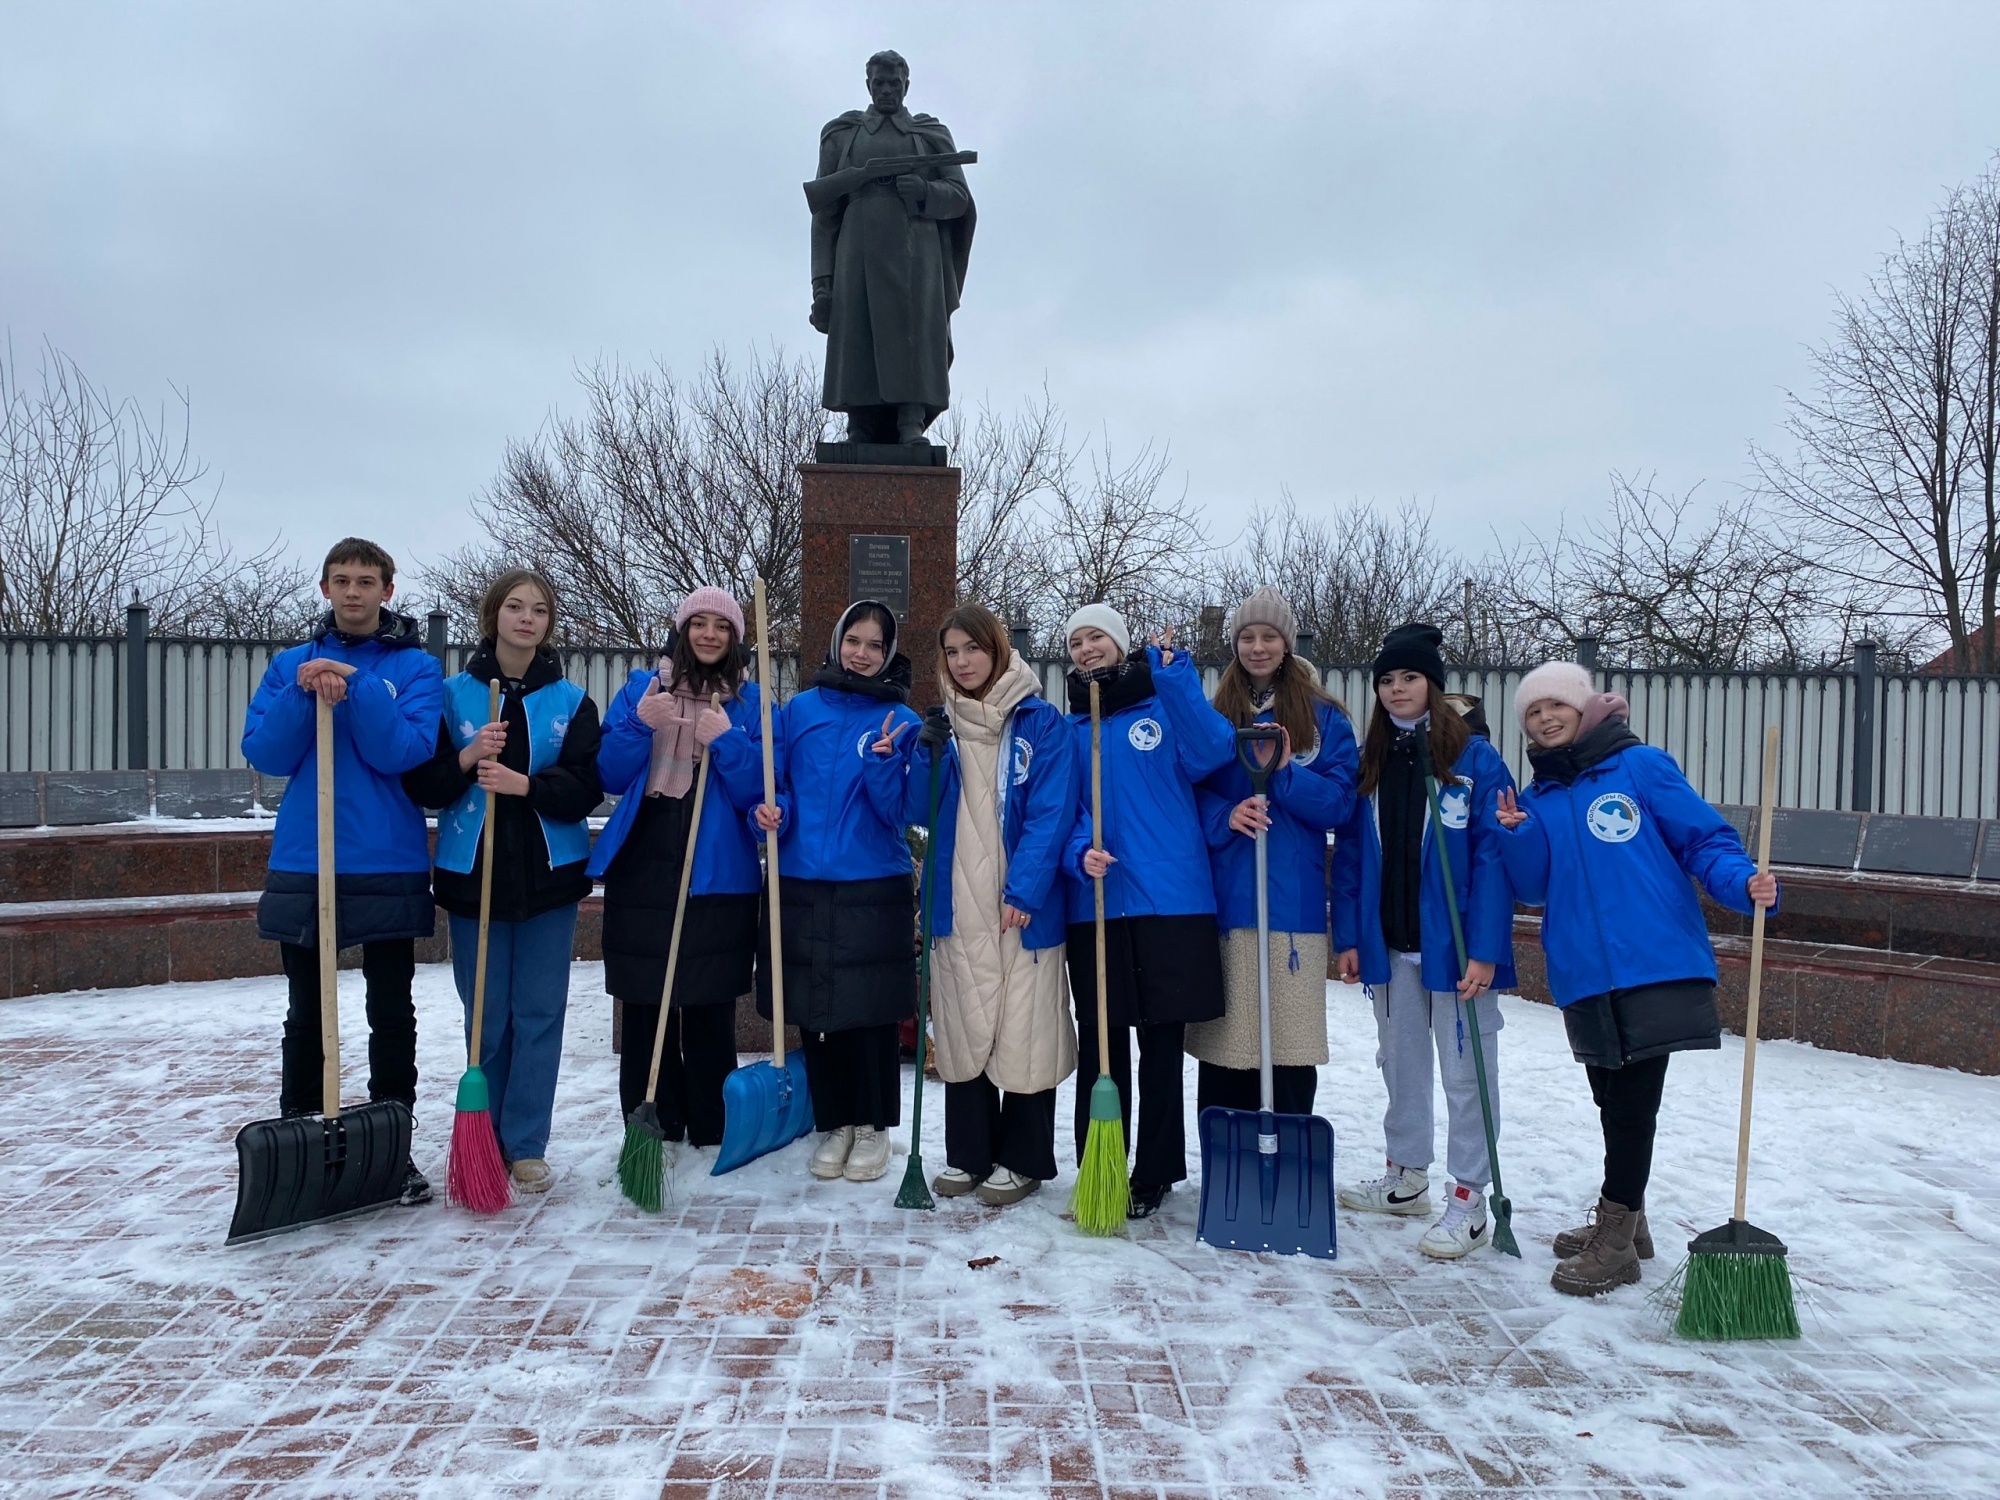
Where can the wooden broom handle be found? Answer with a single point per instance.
(766, 689)
(485, 899)
(1756, 971)
(329, 935)
(1097, 884)
(680, 912)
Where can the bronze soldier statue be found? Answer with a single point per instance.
(891, 234)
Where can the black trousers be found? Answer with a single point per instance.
(1628, 1106)
(700, 1052)
(1293, 1087)
(856, 1076)
(1159, 1149)
(388, 967)
(984, 1129)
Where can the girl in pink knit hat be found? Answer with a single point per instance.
(656, 730)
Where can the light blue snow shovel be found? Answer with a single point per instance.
(766, 1106)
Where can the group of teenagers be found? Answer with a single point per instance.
(1605, 838)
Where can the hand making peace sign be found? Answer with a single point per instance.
(886, 743)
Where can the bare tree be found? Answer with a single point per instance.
(1663, 581)
(1111, 534)
(1011, 466)
(100, 503)
(1351, 576)
(1895, 469)
(658, 488)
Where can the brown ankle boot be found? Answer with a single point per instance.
(1608, 1261)
(1576, 1241)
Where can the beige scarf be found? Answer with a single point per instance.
(671, 773)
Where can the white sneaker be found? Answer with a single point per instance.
(1400, 1190)
(953, 1182)
(870, 1156)
(830, 1160)
(1461, 1229)
(1006, 1186)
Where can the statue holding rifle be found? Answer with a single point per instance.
(892, 223)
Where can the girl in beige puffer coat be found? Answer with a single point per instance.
(1000, 1006)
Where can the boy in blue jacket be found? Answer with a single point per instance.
(387, 694)
(1606, 839)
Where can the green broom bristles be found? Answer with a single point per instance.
(1103, 1182)
(1735, 1284)
(642, 1160)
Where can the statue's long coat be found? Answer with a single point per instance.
(896, 275)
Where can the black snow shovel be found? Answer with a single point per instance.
(1266, 1178)
(311, 1168)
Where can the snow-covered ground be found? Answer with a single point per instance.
(770, 1335)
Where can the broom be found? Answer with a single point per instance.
(1103, 1182)
(475, 1175)
(1736, 1283)
(915, 1192)
(642, 1161)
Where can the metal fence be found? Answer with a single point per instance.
(1852, 740)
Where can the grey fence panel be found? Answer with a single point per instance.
(1937, 741)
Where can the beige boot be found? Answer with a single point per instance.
(1608, 1261)
(1576, 1241)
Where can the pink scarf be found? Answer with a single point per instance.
(672, 771)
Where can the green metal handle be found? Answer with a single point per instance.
(1458, 944)
(924, 939)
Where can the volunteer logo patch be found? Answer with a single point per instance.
(1613, 818)
(1144, 735)
(1454, 806)
(868, 738)
(1024, 755)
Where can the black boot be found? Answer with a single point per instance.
(1146, 1200)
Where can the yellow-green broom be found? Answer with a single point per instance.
(1103, 1181)
(1735, 1283)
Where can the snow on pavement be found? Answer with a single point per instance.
(771, 1335)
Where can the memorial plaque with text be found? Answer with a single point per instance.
(878, 567)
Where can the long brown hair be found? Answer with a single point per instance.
(987, 633)
(1449, 737)
(496, 595)
(1296, 693)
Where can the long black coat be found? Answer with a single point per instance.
(850, 953)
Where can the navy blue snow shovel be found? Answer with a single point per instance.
(1266, 1178)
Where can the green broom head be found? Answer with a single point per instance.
(915, 1192)
(472, 1096)
(642, 1173)
(1737, 1285)
(1103, 1183)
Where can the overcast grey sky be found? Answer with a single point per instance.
(1481, 255)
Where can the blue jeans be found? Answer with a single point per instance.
(527, 994)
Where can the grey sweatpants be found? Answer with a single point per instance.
(1409, 1022)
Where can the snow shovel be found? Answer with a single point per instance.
(1266, 1178)
(766, 1105)
(642, 1161)
(311, 1169)
(1503, 1211)
(915, 1191)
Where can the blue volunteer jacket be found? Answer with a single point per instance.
(548, 710)
(725, 854)
(1610, 858)
(1467, 801)
(1310, 796)
(386, 725)
(843, 804)
(1039, 811)
(1154, 751)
